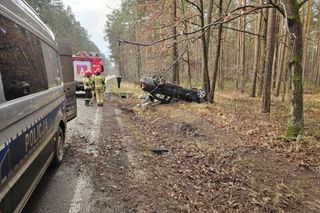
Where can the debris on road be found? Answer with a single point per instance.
(159, 151)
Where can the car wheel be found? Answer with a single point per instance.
(159, 80)
(201, 94)
(59, 147)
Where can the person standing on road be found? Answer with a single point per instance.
(119, 77)
(99, 82)
(87, 84)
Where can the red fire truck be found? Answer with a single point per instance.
(85, 61)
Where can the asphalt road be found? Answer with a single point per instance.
(66, 188)
(101, 171)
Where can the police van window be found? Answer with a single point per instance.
(21, 61)
(52, 65)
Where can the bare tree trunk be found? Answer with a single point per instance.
(295, 120)
(185, 24)
(306, 36)
(189, 70)
(138, 62)
(318, 78)
(256, 54)
(280, 58)
(285, 81)
(243, 50)
(175, 73)
(205, 68)
(137, 48)
(263, 53)
(221, 70)
(266, 99)
(317, 63)
(282, 62)
(276, 52)
(217, 59)
(209, 19)
(237, 67)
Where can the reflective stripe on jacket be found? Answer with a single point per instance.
(87, 84)
(98, 81)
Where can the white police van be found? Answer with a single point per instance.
(34, 108)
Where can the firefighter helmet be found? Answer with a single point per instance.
(87, 73)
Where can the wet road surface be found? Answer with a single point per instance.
(66, 188)
(54, 192)
(102, 169)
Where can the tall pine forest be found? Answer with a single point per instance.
(266, 50)
(64, 24)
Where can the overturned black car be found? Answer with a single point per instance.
(164, 92)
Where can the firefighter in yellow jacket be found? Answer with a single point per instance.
(87, 84)
(99, 82)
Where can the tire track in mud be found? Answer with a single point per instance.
(121, 182)
(95, 134)
(129, 141)
(83, 190)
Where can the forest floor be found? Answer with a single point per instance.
(228, 156)
(222, 157)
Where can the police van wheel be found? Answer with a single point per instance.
(59, 148)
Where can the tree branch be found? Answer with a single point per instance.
(302, 3)
(220, 20)
(195, 5)
(147, 44)
(244, 31)
(277, 7)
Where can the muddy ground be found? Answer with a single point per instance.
(171, 158)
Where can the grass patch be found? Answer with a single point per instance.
(126, 87)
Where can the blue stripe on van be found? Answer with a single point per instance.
(4, 156)
(13, 153)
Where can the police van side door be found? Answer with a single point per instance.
(65, 54)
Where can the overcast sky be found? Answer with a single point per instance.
(92, 16)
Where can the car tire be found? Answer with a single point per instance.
(58, 147)
(159, 80)
(201, 94)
